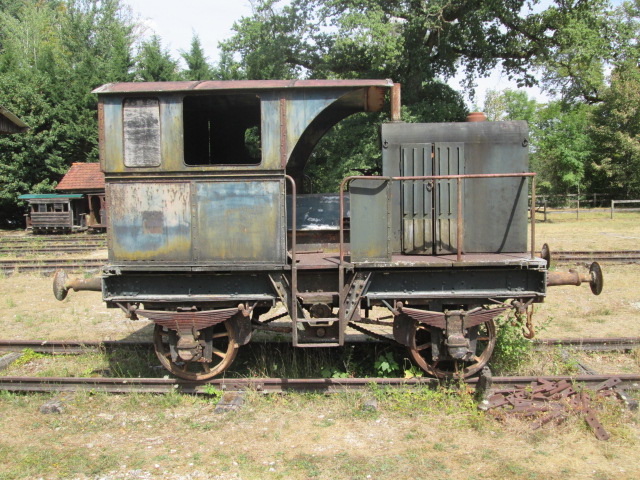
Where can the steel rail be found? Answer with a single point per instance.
(629, 256)
(40, 239)
(67, 347)
(589, 344)
(40, 264)
(73, 347)
(49, 251)
(271, 385)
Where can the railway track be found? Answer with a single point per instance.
(49, 265)
(63, 347)
(275, 385)
(622, 256)
(19, 246)
(21, 250)
(272, 385)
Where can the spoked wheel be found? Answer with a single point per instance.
(446, 367)
(224, 352)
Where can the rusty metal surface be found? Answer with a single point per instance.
(293, 117)
(239, 221)
(396, 102)
(186, 320)
(265, 385)
(495, 210)
(399, 179)
(546, 401)
(149, 222)
(370, 220)
(186, 86)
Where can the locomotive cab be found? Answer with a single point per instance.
(207, 228)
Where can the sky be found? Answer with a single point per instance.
(212, 20)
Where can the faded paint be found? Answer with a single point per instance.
(113, 131)
(150, 222)
(270, 128)
(370, 220)
(240, 221)
(172, 136)
(303, 107)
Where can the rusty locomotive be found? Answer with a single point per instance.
(209, 226)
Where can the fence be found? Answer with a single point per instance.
(574, 204)
(615, 202)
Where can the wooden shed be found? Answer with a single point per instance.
(9, 123)
(87, 179)
(77, 205)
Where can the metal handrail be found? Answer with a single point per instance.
(294, 269)
(458, 179)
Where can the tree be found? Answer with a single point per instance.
(616, 134)
(416, 42)
(510, 105)
(562, 147)
(53, 54)
(197, 66)
(154, 63)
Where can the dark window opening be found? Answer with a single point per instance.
(222, 129)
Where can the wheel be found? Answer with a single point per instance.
(485, 335)
(225, 350)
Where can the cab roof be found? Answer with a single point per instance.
(140, 87)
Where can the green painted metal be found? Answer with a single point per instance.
(52, 196)
(370, 220)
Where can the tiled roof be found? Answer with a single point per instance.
(82, 176)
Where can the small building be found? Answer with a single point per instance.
(9, 123)
(78, 205)
(87, 179)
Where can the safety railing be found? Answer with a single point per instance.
(459, 179)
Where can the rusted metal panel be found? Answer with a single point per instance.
(494, 209)
(113, 131)
(294, 116)
(138, 87)
(101, 139)
(370, 220)
(303, 107)
(141, 122)
(283, 133)
(240, 221)
(149, 222)
(270, 129)
(171, 135)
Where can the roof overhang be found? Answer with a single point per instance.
(18, 124)
(208, 85)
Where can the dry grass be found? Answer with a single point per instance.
(593, 231)
(301, 437)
